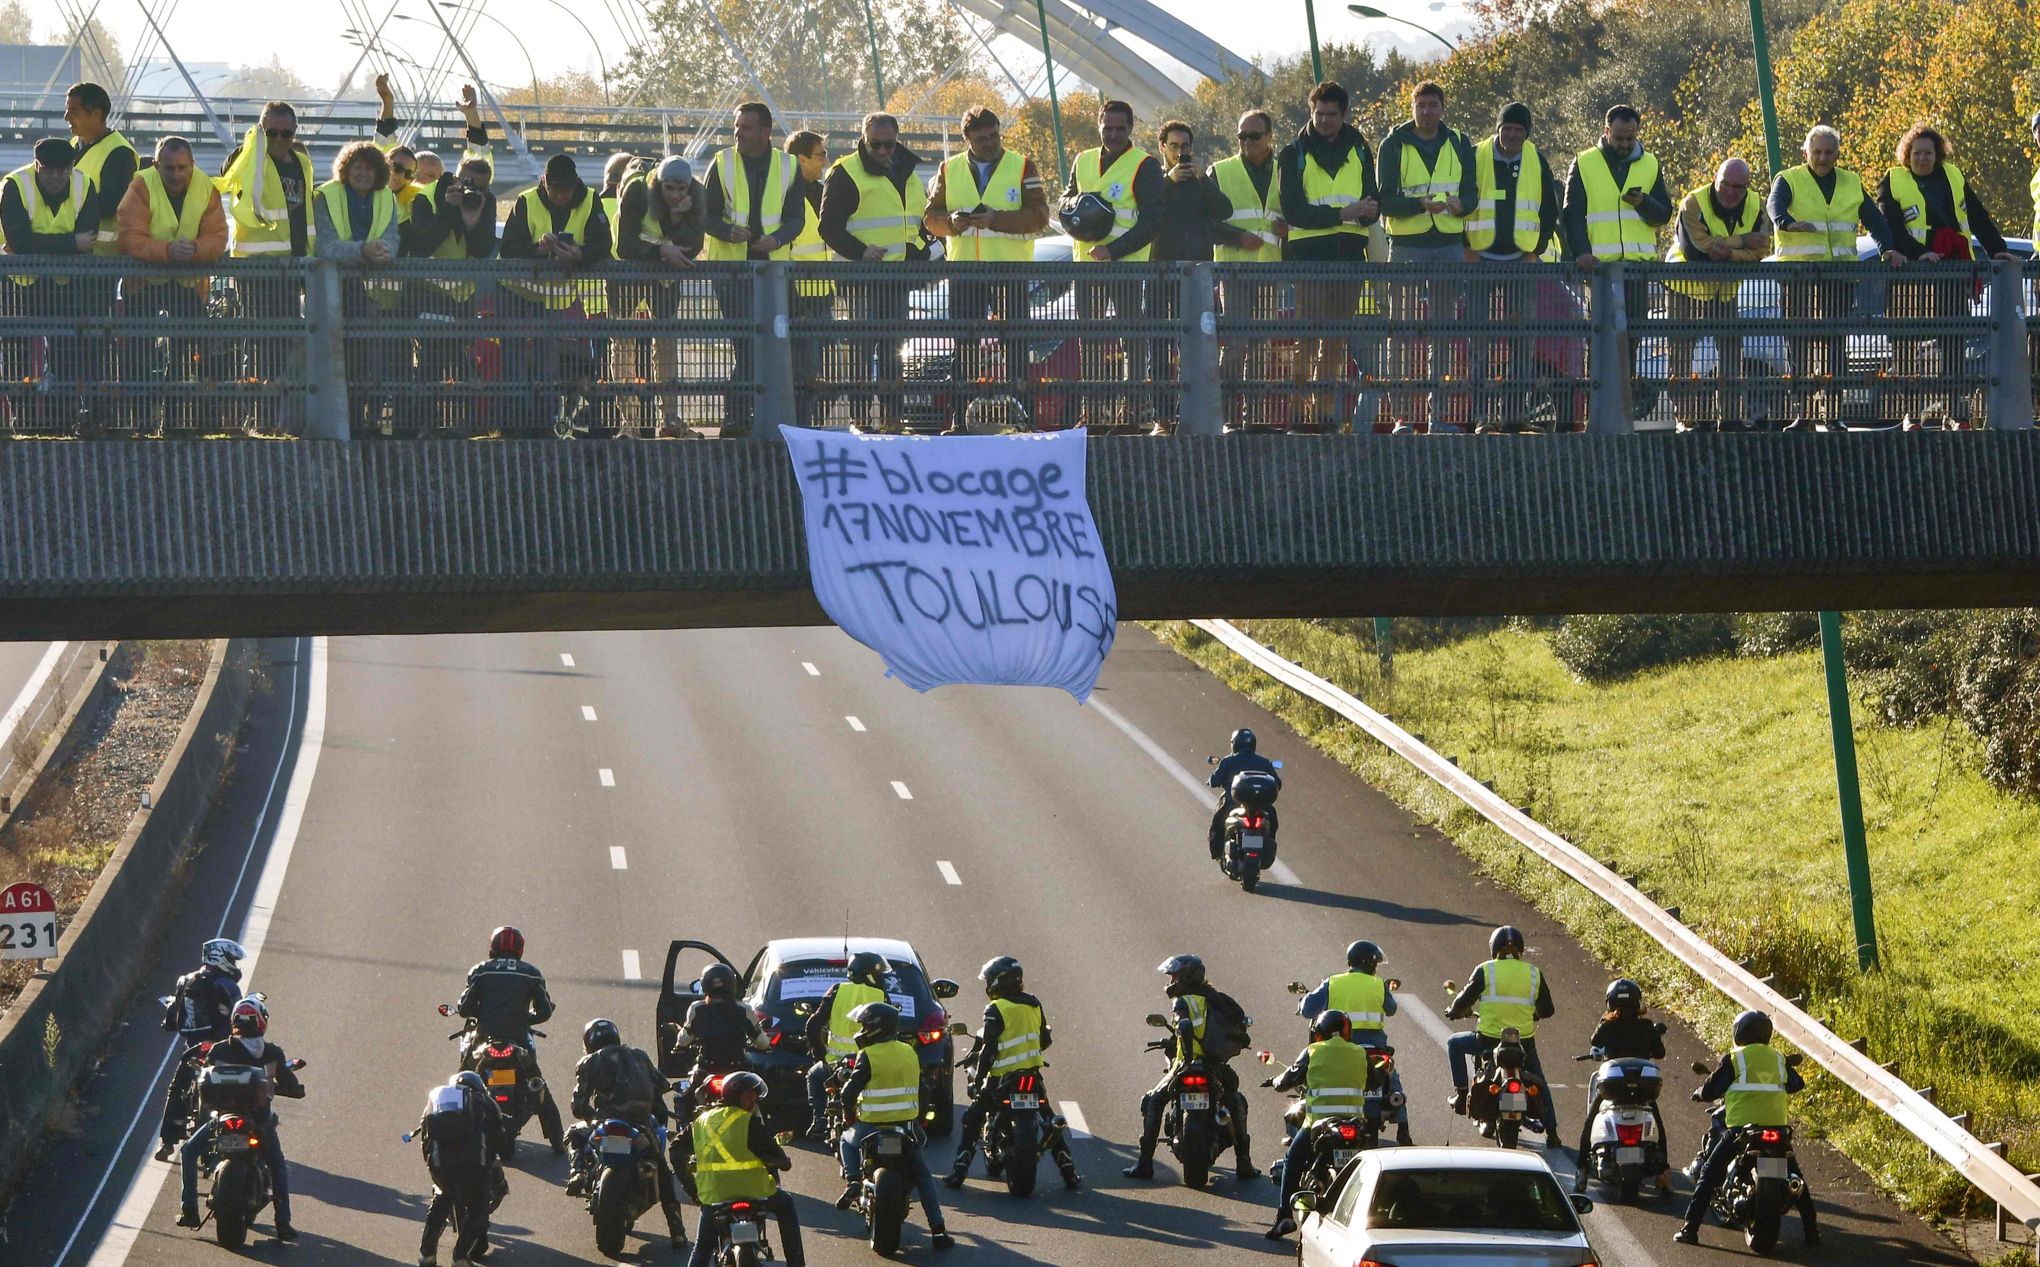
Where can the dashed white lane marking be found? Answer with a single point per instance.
(1078, 1128)
(855, 725)
(901, 789)
(616, 858)
(587, 712)
(1281, 874)
(632, 969)
(948, 871)
(812, 671)
(607, 775)
(566, 660)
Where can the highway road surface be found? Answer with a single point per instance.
(33, 677)
(609, 791)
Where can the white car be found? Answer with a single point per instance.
(1446, 1207)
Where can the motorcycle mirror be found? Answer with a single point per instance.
(944, 988)
(1583, 1203)
(1700, 1067)
(1452, 987)
(694, 986)
(1278, 765)
(1294, 987)
(1211, 761)
(409, 1136)
(258, 996)
(1157, 1020)
(1394, 985)
(1792, 1061)
(1659, 1026)
(446, 1009)
(958, 1029)
(297, 1062)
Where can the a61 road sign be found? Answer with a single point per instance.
(28, 922)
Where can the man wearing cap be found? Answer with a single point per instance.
(1515, 212)
(557, 222)
(46, 208)
(1718, 223)
(659, 226)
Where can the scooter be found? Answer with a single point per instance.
(1249, 832)
(1625, 1143)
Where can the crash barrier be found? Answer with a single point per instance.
(1980, 1163)
(312, 348)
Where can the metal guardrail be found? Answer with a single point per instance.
(1975, 1160)
(419, 346)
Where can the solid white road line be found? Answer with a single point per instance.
(812, 671)
(632, 970)
(11, 720)
(607, 775)
(1078, 1128)
(901, 789)
(119, 1238)
(948, 871)
(566, 660)
(71, 662)
(616, 858)
(587, 712)
(855, 725)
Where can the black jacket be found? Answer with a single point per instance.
(993, 1025)
(1193, 216)
(1940, 200)
(201, 1006)
(1655, 209)
(505, 998)
(21, 236)
(619, 1081)
(1239, 763)
(1477, 984)
(1636, 1038)
(484, 1118)
(719, 1033)
(685, 232)
(520, 237)
(840, 197)
(1298, 209)
(431, 224)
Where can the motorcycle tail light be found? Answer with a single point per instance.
(502, 1099)
(615, 1128)
(1629, 1136)
(1348, 1131)
(1770, 1136)
(772, 1038)
(740, 1207)
(1196, 1080)
(234, 1124)
(502, 1053)
(1515, 1085)
(1254, 822)
(1026, 1082)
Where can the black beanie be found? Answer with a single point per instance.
(54, 151)
(1515, 112)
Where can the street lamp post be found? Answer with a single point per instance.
(877, 71)
(536, 101)
(1062, 158)
(1317, 63)
(594, 43)
(1369, 11)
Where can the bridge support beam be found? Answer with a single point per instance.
(2010, 402)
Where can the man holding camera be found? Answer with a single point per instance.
(452, 220)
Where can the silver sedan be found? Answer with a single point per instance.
(1446, 1207)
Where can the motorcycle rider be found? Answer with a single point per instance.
(249, 1045)
(738, 1160)
(883, 1087)
(1011, 1038)
(463, 1136)
(1508, 994)
(1755, 1085)
(1334, 1072)
(719, 1032)
(832, 1035)
(1189, 994)
(200, 1010)
(505, 997)
(617, 1081)
(1243, 759)
(1623, 1034)
(1367, 1003)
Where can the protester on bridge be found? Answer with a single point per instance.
(1507, 993)
(1816, 207)
(559, 221)
(1428, 183)
(1514, 217)
(659, 226)
(268, 182)
(108, 162)
(1252, 233)
(1944, 222)
(451, 223)
(432, 177)
(171, 214)
(463, 1136)
(752, 209)
(871, 212)
(406, 179)
(1193, 214)
(355, 222)
(47, 208)
(1615, 202)
(1130, 182)
(1329, 198)
(814, 298)
(1718, 223)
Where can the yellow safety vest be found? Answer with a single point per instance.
(1115, 186)
(1833, 219)
(42, 217)
(261, 216)
(1508, 998)
(1004, 190)
(780, 173)
(334, 194)
(842, 1030)
(166, 223)
(725, 1168)
(537, 216)
(1440, 182)
(894, 1092)
(1757, 1097)
(1250, 211)
(92, 162)
(885, 216)
(1906, 192)
(1481, 225)
(1615, 230)
(1199, 1013)
(808, 248)
(1335, 1083)
(1747, 216)
(1019, 1037)
(1325, 189)
(1362, 996)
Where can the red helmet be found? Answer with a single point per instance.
(250, 1019)
(506, 943)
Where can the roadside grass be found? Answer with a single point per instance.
(1713, 781)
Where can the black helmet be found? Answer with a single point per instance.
(869, 967)
(1330, 1022)
(1000, 975)
(1243, 740)
(876, 1022)
(1625, 998)
(1506, 940)
(1752, 1027)
(1183, 970)
(1363, 956)
(472, 1081)
(719, 981)
(599, 1033)
(736, 1084)
(1087, 218)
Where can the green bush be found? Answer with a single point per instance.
(1775, 633)
(1417, 633)
(1998, 694)
(1605, 648)
(1906, 662)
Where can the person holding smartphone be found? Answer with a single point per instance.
(1615, 203)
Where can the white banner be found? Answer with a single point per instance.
(959, 558)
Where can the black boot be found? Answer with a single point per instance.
(959, 1171)
(849, 1197)
(1402, 1134)
(1071, 1179)
(1144, 1168)
(188, 1217)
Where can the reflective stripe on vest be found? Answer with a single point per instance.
(43, 218)
(260, 214)
(167, 223)
(738, 197)
(1508, 997)
(1833, 219)
(1019, 1037)
(1481, 225)
(842, 1030)
(1335, 1081)
(1746, 220)
(1327, 189)
(1250, 211)
(1115, 186)
(886, 216)
(1199, 1010)
(894, 1092)
(538, 215)
(1005, 189)
(1438, 183)
(1615, 229)
(1362, 996)
(725, 1168)
(93, 163)
(1757, 1097)
(1905, 191)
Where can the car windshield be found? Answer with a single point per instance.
(1470, 1200)
(796, 986)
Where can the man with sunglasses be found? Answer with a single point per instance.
(1252, 232)
(107, 160)
(871, 212)
(268, 183)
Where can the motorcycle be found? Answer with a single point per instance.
(510, 1073)
(237, 1100)
(1762, 1179)
(1249, 832)
(1012, 1137)
(186, 1107)
(886, 1188)
(1503, 1091)
(1624, 1144)
(1196, 1121)
(737, 1231)
(1336, 1141)
(626, 1179)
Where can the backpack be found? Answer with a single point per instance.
(1225, 1027)
(453, 1135)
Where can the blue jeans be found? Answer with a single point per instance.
(818, 1093)
(271, 1151)
(1473, 1045)
(917, 1158)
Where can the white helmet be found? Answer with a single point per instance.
(225, 954)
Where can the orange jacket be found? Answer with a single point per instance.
(133, 231)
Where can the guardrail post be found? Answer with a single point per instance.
(1197, 357)
(1608, 355)
(771, 313)
(2009, 404)
(325, 353)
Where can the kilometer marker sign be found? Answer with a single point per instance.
(28, 922)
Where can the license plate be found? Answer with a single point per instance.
(915, 400)
(1513, 1102)
(618, 1145)
(1340, 1156)
(1025, 1102)
(502, 1077)
(1773, 1168)
(1629, 1156)
(1252, 844)
(744, 1232)
(1197, 1099)
(233, 1143)
(891, 1146)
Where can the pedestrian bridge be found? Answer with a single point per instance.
(103, 539)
